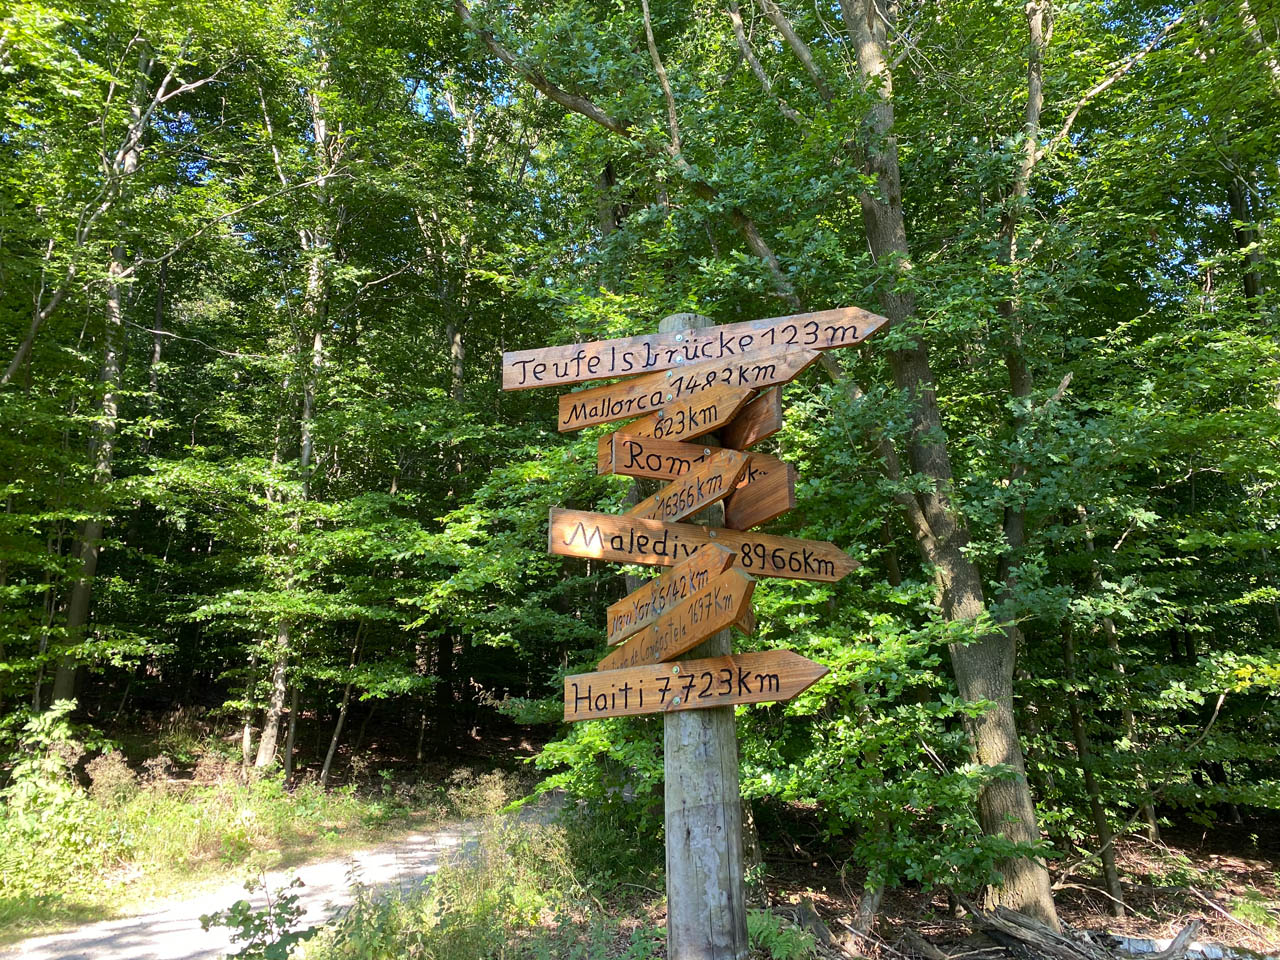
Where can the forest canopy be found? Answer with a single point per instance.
(259, 262)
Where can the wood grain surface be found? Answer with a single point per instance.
(629, 356)
(690, 685)
(579, 533)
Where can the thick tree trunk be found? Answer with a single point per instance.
(984, 668)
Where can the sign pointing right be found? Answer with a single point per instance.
(690, 685)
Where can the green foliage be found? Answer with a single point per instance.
(342, 214)
(778, 939)
(482, 904)
(267, 932)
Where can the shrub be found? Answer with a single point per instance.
(110, 779)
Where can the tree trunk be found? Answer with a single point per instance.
(1084, 752)
(275, 700)
(293, 732)
(983, 669)
(706, 897)
(1246, 238)
(337, 735)
(88, 545)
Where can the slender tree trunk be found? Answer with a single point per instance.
(1084, 752)
(983, 668)
(88, 547)
(1126, 712)
(291, 736)
(1246, 238)
(275, 699)
(342, 710)
(337, 736)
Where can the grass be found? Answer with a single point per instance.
(579, 889)
(70, 855)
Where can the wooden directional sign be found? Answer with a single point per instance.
(629, 356)
(653, 391)
(693, 416)
(647, 603)
(710, 483)
(758, 420)
(719, 605)
(766, 492)
(766, 489)
(578, 533)
(690, 685)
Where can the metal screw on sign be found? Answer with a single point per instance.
(706, 451)
(675, 702)
(675, 669)
(679, 337)
(668, 396)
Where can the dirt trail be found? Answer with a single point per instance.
(172, 931)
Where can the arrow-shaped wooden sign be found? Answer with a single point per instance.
(629, 356)
(710, 483)
(690, 685)
(766, 489)
(647, 603)
(654, 391)
(721, 604)
(758, 420)
(578, 533)
(693, 416)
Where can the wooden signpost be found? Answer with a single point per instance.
(693, 416)
(602, 536)
(709, 483)
(629, 356)
(690, 685)
(653, 391)
(671, 637)
(720, 605)
(641, 607)
(759, 420)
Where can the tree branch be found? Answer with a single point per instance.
(798, 47)
(673, 122)
(744, 46)
(570, 101)
(1103, 84)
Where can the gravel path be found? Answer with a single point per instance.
(172, 930)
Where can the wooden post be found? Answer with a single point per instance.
(706, 902)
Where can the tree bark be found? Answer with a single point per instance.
(984, 668)
(275, 699)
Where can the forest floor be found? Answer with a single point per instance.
(1192, 875)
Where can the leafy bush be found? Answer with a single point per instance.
(267, 933)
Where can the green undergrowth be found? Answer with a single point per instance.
(70, 853)
(584, 888)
